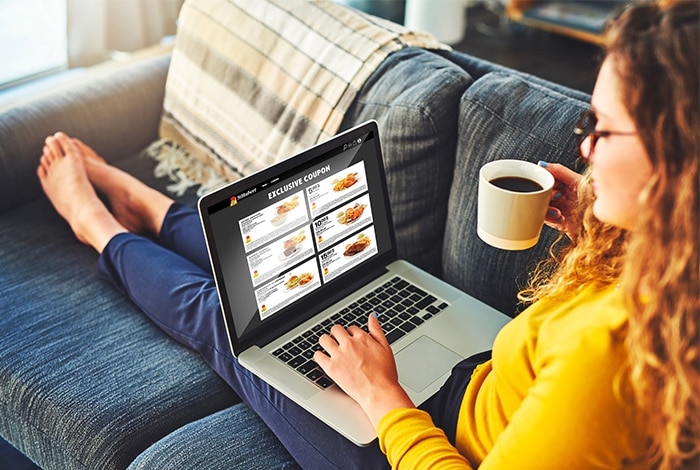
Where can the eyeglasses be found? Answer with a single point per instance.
(585, 127)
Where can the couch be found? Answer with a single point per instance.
(87, 381)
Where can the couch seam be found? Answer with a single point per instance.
(511, 123)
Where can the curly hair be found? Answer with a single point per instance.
(655, 52)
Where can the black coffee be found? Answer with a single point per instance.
(517, 184)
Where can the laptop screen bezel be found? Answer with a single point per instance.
(304, 308)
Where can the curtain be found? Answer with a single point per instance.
(97, 29)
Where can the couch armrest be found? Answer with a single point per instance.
(114, 108)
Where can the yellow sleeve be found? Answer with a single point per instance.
(409, 439)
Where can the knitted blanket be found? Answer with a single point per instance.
(253, 82)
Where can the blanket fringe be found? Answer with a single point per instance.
(185, 171)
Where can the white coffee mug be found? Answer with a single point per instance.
(513, 200)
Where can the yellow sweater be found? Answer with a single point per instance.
(554, 396)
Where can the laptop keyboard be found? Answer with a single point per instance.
(399, 305)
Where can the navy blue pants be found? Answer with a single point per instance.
(170, 279)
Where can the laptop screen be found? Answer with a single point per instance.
(293, 239)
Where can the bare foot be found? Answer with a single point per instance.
(135, 205)
(64, 179)
(87, 151)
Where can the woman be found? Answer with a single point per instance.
(640, 192)
(600, 372)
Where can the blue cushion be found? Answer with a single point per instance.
(502, 115)
(87, 380)
(232, 438)
(414, 96)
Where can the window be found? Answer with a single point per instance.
(32, 39)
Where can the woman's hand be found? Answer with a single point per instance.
(564, 195)
(363, 365)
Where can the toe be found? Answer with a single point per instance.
(45, 161)
(41, 172)
(64, 143)
(52, 149)
(69, 145)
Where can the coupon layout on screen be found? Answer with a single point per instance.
(301, 231)
(351, 252)
(266, 225)
(337, 189)
(348, 218)
(284, 290)
(317, 226)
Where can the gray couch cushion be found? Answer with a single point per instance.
(87, 380)
(477, 68)
(232, 438)
(502, 116)
(414, 96)
(115, 108)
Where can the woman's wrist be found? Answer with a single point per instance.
(383, 400)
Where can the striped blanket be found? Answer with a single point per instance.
(252, 82)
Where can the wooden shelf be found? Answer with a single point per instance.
(582, 20)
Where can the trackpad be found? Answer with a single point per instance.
(423, 362)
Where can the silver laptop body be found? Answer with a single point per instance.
(309, 242)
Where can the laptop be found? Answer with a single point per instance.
(309, 242)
